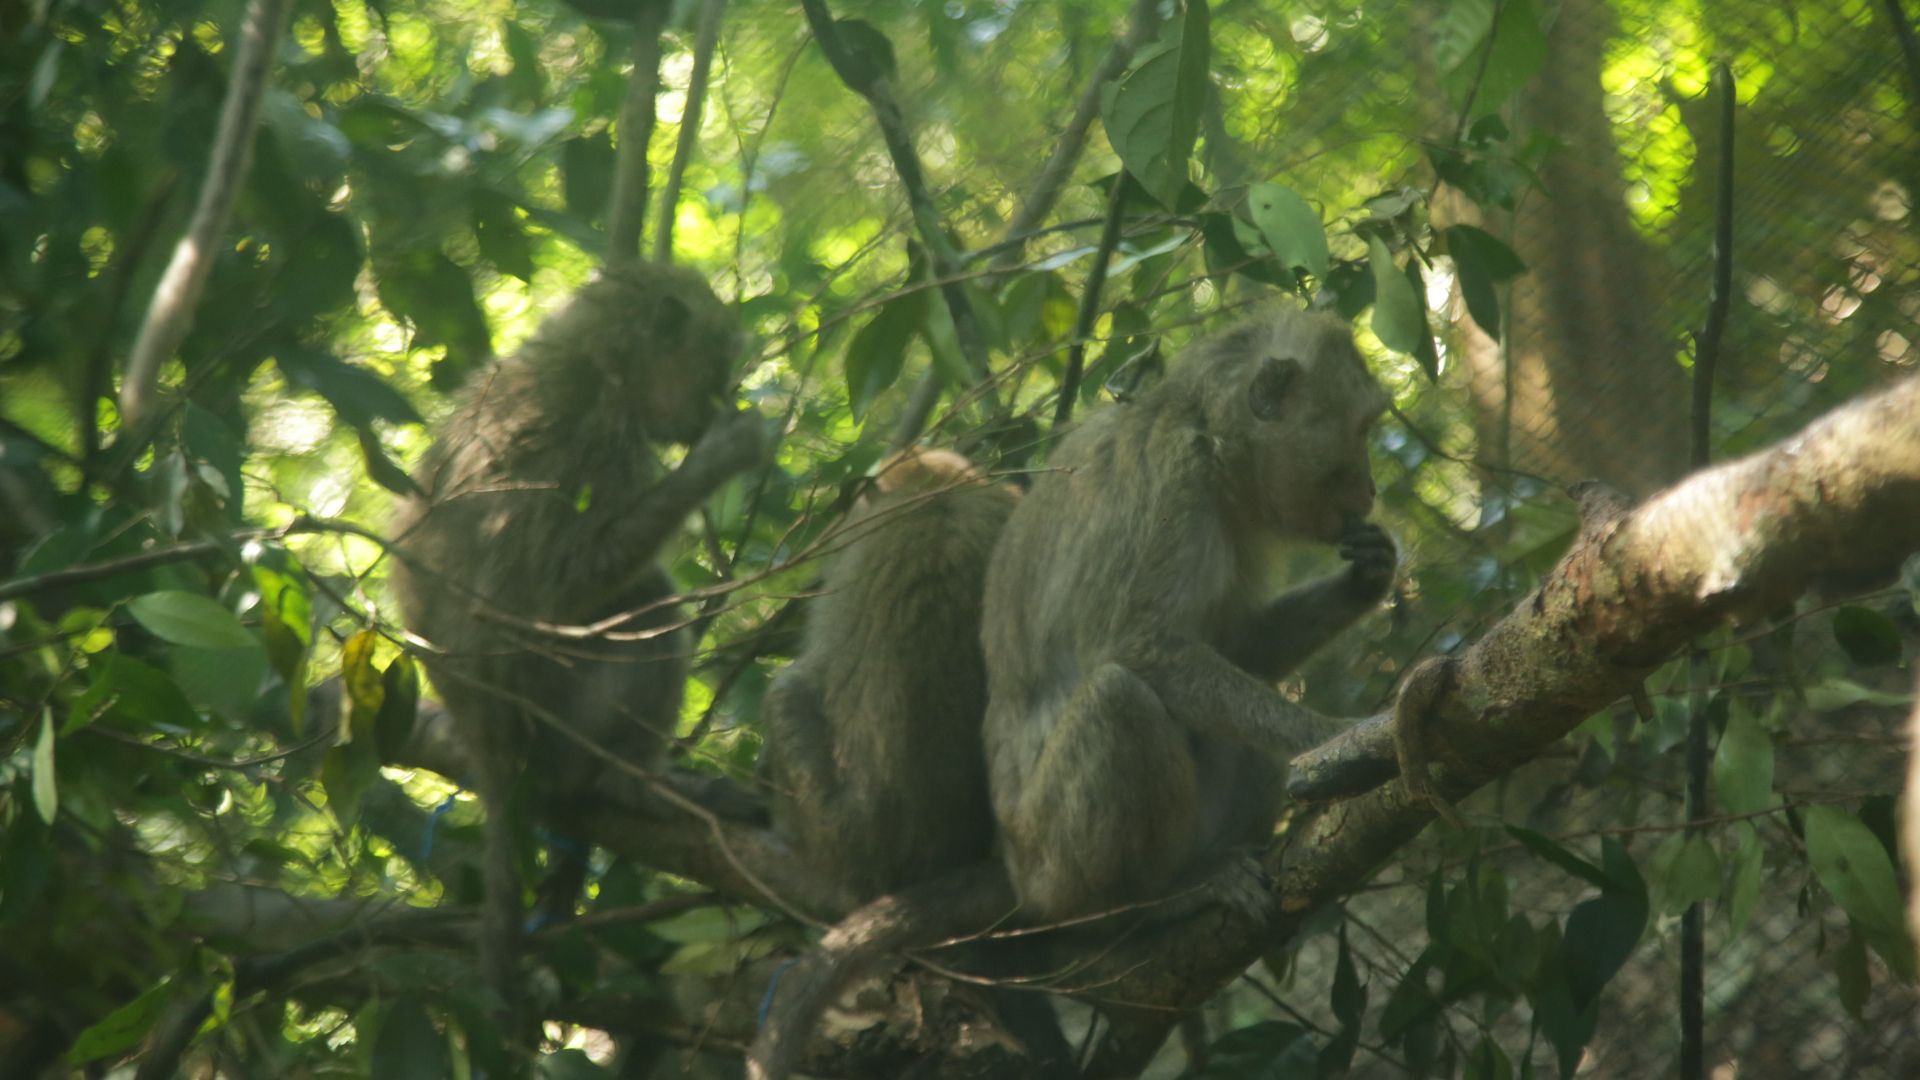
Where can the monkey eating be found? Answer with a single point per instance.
(542, 507)
(1135, 741)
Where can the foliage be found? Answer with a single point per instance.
(432, 175)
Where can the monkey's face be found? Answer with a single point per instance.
(663, 345)
(1308, 419)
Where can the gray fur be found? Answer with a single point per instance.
(873, 734)
(1134, 738)
(542, 501)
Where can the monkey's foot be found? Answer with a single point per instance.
(1243, 887)
(1412, 712)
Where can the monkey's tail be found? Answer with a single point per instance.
(954, 905)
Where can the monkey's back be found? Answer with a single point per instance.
(904, 600)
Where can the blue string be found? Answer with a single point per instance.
(433, 822)
(773, 985)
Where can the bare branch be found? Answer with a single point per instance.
(170, 314)
(706, 39)
(627, 205)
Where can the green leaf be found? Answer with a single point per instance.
(1399, 314)
(502, 239)
(409, 1047)
(1850, 968)
(46, 790)
(433, 294)
(1743, 764)
(1854, 868)
(586, 167)
(1547, 848)
(877, 353)
(1488, 1062)
(1269, 1050)
(1482, 262)
(1832, 694)
(1152, 114)
(185, 618)
(1868, 636)
(1694, 875)
(1518, 48)
(1744, 889)
(357, 395)
(132, 692)
(1602, 932)
(1291, 228)
(120, 1030)
(869, 54)
(399, 705)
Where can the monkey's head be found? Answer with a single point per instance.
(653, 340)
(1290, 403)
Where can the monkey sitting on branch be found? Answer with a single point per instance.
(1135, 741)
(873, 733)
(873, 747)
(543, 511)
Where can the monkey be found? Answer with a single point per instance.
(1134, 739)
(873, 745)
(873, 733)
(541, 501)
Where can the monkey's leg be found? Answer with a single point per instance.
(1209, 693)
(1107, 815)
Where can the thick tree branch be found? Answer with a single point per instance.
(170, 314)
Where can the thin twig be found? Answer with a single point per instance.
(1090, 299)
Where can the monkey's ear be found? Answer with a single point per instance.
(671, 318)
(1272, 381)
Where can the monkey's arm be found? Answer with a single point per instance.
(797, 759)
(1300, 620)
(732, 444)
(1210, 693)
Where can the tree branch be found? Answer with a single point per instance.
(706, 39)
(170, 314)
(627, 204)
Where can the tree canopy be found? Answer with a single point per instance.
(249, 250)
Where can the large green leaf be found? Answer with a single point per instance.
(1482, 262)
(1869, 637)
(1152, 114)
(1743, 764)
(1290, 227)
(185, 618)
(1855, 869)
(1399, 311)
(879, 350)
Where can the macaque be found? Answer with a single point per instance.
(542, 505)
(1135, 741)
(873, 734)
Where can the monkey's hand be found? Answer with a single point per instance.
(1372, 559)
(1412, 711)
(734, 442)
